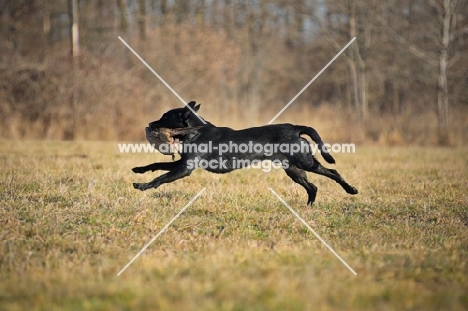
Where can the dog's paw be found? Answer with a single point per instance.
(141, 187)
(138, 170)
(352, 190)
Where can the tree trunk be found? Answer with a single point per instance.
(123, 15)
(74, 28)
(142, 19)
(442, 89)
(201, 12)
(396, 98)
(362, 88)
(358, 66)
(75, 49)
(163, 11)
(354, 84)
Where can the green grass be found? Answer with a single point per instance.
(70, 221)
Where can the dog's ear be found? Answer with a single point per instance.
(192, 105)
(186, 113)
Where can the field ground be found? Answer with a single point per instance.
(70, 221)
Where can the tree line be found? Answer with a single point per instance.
(62, 64)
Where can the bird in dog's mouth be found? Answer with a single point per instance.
(159, 136)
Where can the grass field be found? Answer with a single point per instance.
(70, 221)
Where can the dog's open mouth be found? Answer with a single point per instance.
(158, 137)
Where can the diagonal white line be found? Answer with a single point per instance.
(160, 232)
(162, 80)
(312, 230)
(313, 79)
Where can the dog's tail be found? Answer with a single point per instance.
(318, 140)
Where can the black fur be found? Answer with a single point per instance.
(269, 134)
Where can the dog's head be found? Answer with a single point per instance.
(178, 118)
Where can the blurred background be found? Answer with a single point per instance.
(65, 75)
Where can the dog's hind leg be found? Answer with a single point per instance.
(332, 174)
(177, 173)
(163, 166)
(300, 177)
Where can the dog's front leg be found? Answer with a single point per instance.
(178, 172)
(164, 166)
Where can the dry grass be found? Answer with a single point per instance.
(70, 220)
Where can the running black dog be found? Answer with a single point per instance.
(219, 150)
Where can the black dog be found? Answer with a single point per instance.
(202, 135)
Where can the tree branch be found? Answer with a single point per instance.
(416, 51)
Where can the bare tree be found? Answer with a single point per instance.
(142, 19)
(74, 28)
(347, 19)
(447, 12)
(200, 12)
(123, 15)
(444, 14)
